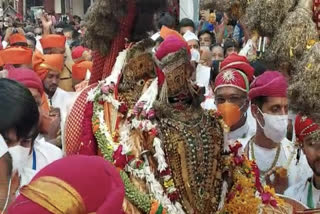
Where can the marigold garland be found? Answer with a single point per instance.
(247, 195)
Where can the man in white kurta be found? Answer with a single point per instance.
(274, 154)
(231, 89)
(42, 154)
(307, 191)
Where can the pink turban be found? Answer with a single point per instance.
(235, 72)
(77, 52)
(170, 45)
(89, 179)
(26, 77)
(269, 84)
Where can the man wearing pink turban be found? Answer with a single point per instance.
(274, 154)
(73, 185)
(32, 157)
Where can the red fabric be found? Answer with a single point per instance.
(89, 145)
(231, 78)
(304, 126)
(170, 45)
(76, 120)
(96, 180)
(77, 52)
(27, 77)
(118, 44)
(17, 38)
(53, 41)
(269, 84)
(97, 67)
(238, 62)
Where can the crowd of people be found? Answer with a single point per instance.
(128, 111)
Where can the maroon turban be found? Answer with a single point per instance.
(269, 84)
(26, 77)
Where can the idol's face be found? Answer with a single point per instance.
(177, 80)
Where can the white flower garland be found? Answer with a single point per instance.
(145, 125)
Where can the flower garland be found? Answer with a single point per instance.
(247, 195)
(113, 152)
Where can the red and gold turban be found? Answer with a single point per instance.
(17, 38)
(43, 63)
(73, 185)
(53, 41)
(235, 71)
(16, 56)
(304, 127)
(269, 84)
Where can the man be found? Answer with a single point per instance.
(230, 46)
(274, 154)
(42, 153)
(16, 57)
(217, 53)
(192, 40)
(308, 190)
(82, 68)
(193, 43)
(231, 90)
(49, 67)
(206, 38)
(63, 179)
(56, 44)
(186, 25)
(19, 121)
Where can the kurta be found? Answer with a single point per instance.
(63, 100)
(45, 153)
(304, 190)
(287, 159)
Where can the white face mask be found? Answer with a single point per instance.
(275, 126)
(195, 55)
(20, 156)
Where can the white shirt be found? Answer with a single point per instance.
(300, 191)
(287, 159)
(245, 132)
(45, 154)
(63, 100)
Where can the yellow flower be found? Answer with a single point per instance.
(168, 183)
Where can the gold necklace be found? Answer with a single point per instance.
(276, 158)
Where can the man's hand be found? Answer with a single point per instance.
(54, 112)
(8, 34)
(280, 182)
(46, 23)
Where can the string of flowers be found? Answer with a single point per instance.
(113, 151)
(248, 195)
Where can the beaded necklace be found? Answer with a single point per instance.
(275, 160)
